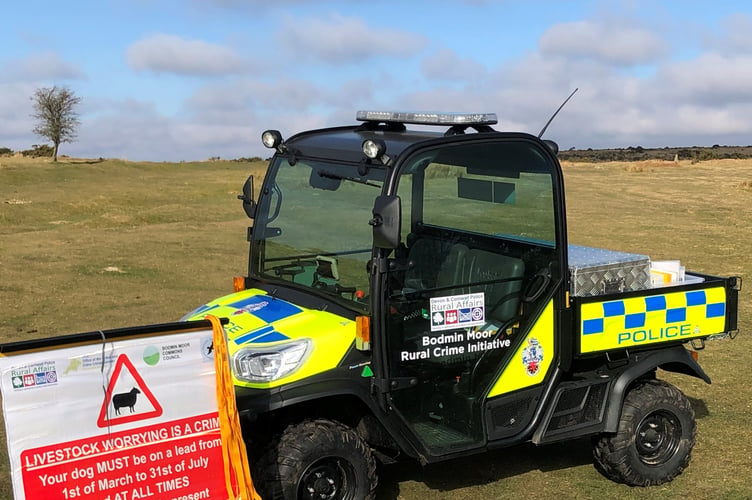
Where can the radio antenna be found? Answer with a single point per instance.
(540, 134)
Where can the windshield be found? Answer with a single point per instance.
(312, 228)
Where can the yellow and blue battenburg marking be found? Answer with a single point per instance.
(645, 320)
(256, 320)
(267, 310)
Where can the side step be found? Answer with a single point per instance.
(577, 410)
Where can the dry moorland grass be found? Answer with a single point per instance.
(90, 245)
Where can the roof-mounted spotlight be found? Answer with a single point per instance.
(375, 149)
(272, 139)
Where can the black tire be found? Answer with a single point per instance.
(655, 438)
(319, 459)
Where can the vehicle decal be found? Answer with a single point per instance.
(457, 311)
(529, 364)
(532, 356)
(648, 320)
(258, 320)
(266, 308)
(263, 334)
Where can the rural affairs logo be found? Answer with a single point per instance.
(34, 376)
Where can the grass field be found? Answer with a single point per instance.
(97, 245)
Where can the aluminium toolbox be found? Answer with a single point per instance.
(596, 271)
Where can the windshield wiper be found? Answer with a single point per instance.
(331, 175)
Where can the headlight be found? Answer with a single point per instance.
(271, 138)
(374, 148)
(266, 365)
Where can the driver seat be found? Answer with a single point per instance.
(503, 296)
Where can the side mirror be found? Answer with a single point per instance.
(248, 204)
(387, 221)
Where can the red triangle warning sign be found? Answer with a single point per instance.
(120, 408)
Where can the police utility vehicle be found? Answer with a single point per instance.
(411, 292)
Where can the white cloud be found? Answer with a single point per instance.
(735, 37)
(701, 101)
(607, 43)
(711, 79)
(15, 116)
(238, 99)
(46, 66)
(631, 92)
(221, 119)
(213, 123)
(164, 53)
(290, 106)
(344, 39)
(447, 65)
(141, 135)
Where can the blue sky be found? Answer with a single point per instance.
(193, 79)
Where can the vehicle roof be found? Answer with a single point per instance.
(345, 143)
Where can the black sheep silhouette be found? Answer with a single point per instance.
(125, 399)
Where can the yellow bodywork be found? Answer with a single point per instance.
(258, 320)
(531, 361)
(652, 319)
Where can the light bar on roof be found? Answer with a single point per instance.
(428, 118)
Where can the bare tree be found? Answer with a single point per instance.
(57, 119)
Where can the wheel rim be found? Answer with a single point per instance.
(330, 478)
(658, 438)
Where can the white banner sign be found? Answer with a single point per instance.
(124, 419)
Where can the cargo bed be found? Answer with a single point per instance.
(701, 306)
